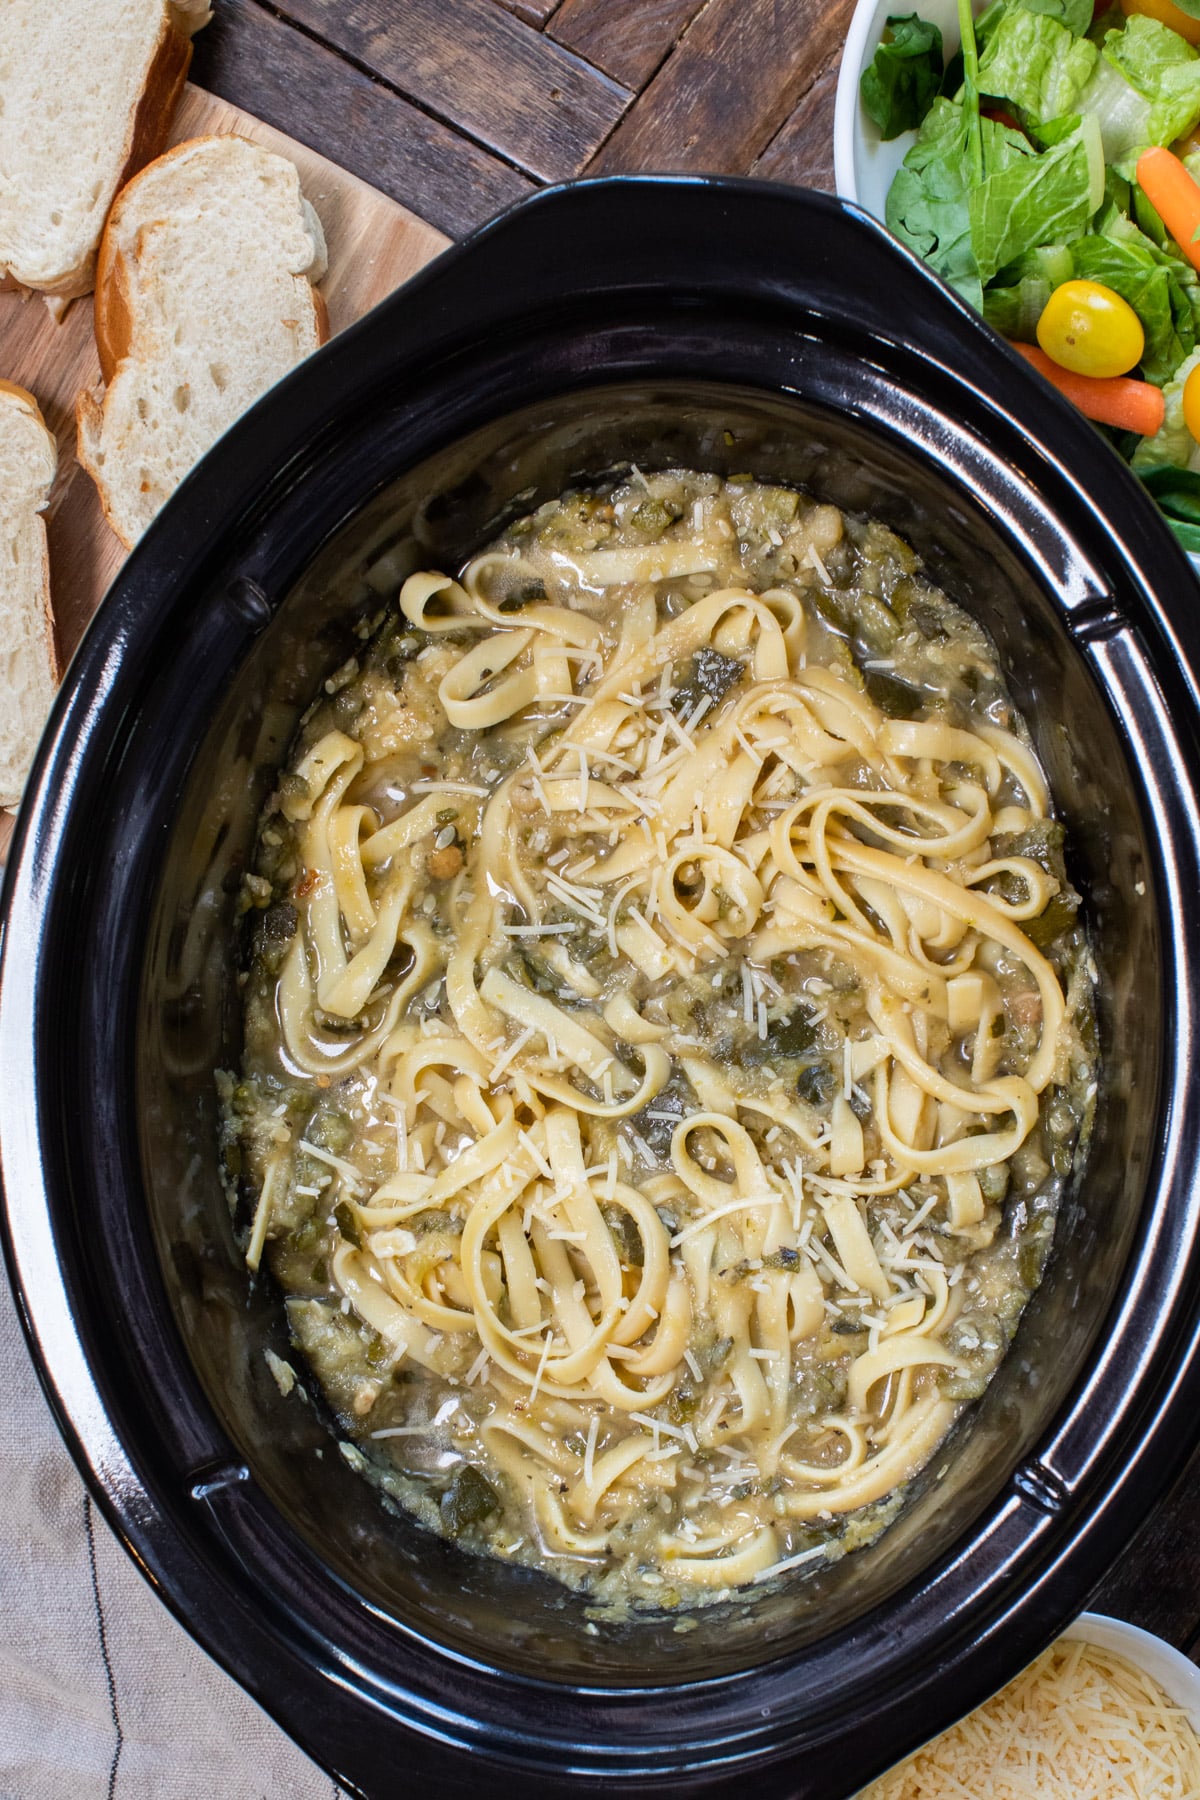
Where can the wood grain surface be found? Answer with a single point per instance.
(724, 92)
(264, 65)
(505, 84)
(799, 151)
(534, 12)
(628, 41)
(456, 108)
(374, 245)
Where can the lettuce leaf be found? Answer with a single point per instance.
(1036, 199)
(1014, 306)
(1122, 114)
(1014, 311)
(927, 201)
(1076, 15)
(1176, 110)
(1151, 289)
(969, 229)
(903, 78)
(1177, 492)
(1162, 289)
(1036, 64)
(1143, 49)
(1173, 446)
(1163, 69)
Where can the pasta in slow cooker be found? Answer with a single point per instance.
(667, 1034)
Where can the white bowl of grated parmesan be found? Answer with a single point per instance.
(1108, 1712)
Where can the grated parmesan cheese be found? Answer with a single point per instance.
(1080, 1723)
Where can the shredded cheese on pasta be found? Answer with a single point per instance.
(749, 1329)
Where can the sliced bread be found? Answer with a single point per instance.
(87, 92)
(28, 662)
(204, 299)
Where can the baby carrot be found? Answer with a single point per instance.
(1175, 197)
(1114, 400)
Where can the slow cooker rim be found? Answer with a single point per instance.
(38, 855)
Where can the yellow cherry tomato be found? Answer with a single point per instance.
(1166, 14)
(1191, 403)
(1088, 329)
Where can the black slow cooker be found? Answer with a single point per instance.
(723, 325)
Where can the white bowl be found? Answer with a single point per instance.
(1178, 1678)
(863, 165)
(1176, 1675)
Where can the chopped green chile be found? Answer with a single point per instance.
(469, 1499)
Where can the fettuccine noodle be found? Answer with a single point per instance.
(666, 1038)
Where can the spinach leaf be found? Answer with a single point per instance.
(469, 1499)
(1014, 306)
(624, 1231)
(817, 1082)
(790, 1037)
(522, 595)
(897, 699)
(1188, 535)
(904, 76)
(709, 676)
(1177, 492)
(927, 201)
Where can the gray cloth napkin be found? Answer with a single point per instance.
(102, 1695)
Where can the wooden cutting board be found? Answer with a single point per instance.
(374, 245)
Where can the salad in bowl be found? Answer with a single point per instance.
(1050, 173)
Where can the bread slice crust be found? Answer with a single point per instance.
(113, 310)
(151, 111)
(39, 671)
(180, 193)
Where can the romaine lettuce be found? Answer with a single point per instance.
(1014, 311)
(1164, 69)
(1015, 304)
(968, 228)
(1036, 199)
(1076, 15)
(1122, 114)
(1174, 446)
(1143, 50)
(1036, 64)
(1152, 291)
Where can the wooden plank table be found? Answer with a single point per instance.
(457, 108)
